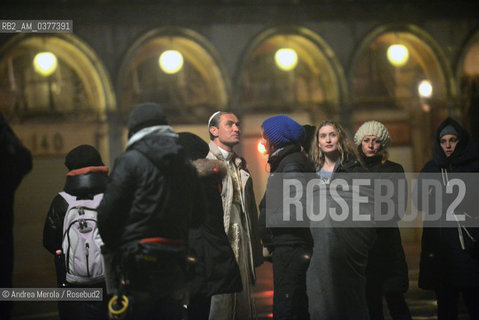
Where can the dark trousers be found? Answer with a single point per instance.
(289, 275)
(6, 269)
(398, 308)
(157, 288)
(84, 310)
(448, 301)
(145, 306)
(199, 307)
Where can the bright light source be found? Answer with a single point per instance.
(261, 147)
(398, 55)
(425, 89)
(171, 61)
(45, 63)
(286, 59)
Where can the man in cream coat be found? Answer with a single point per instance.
(240, 217)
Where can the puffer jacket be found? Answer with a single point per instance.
(443, 260)
(151, 192)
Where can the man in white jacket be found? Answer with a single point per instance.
(240, 217)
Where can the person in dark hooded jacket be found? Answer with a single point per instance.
(450, 259)
(145, 215)
(215, 270)
(86, 178)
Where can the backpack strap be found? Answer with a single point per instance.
(90, 203)
(68, 198)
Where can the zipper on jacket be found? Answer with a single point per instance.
(87, 249)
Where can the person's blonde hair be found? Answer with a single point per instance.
(344, 144)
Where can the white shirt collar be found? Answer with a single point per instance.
(226, 154)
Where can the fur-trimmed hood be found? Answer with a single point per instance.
(209, 167)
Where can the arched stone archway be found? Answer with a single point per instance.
(310, 90)
(315, 85)
(51, 112)
(384, 89)
(190, 95)
(79, 87)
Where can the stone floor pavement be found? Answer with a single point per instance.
(421, 302)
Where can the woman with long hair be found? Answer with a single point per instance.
(336, 277)
(332, 147)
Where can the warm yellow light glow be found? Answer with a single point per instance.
(425, 89)
(398, 55)
(261, 147)
(286, 59)
(426, 107)
(171, 61)
(45, 63)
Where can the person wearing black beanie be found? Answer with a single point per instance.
(83, 156)
(145, 115)
(146, 212)
(291, 248)
(85, 181)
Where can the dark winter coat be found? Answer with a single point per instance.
(216, 270)
(150, 193)
(288, 160)
(443, 261)
(146, 212)
(387, 262)
(336, 277)
(15, 163)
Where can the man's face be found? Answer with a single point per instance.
(228, 132)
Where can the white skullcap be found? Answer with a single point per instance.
(211, 118)
(373, 128)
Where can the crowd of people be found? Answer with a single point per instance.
(173, 232)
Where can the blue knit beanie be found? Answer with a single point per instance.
(282, 130)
